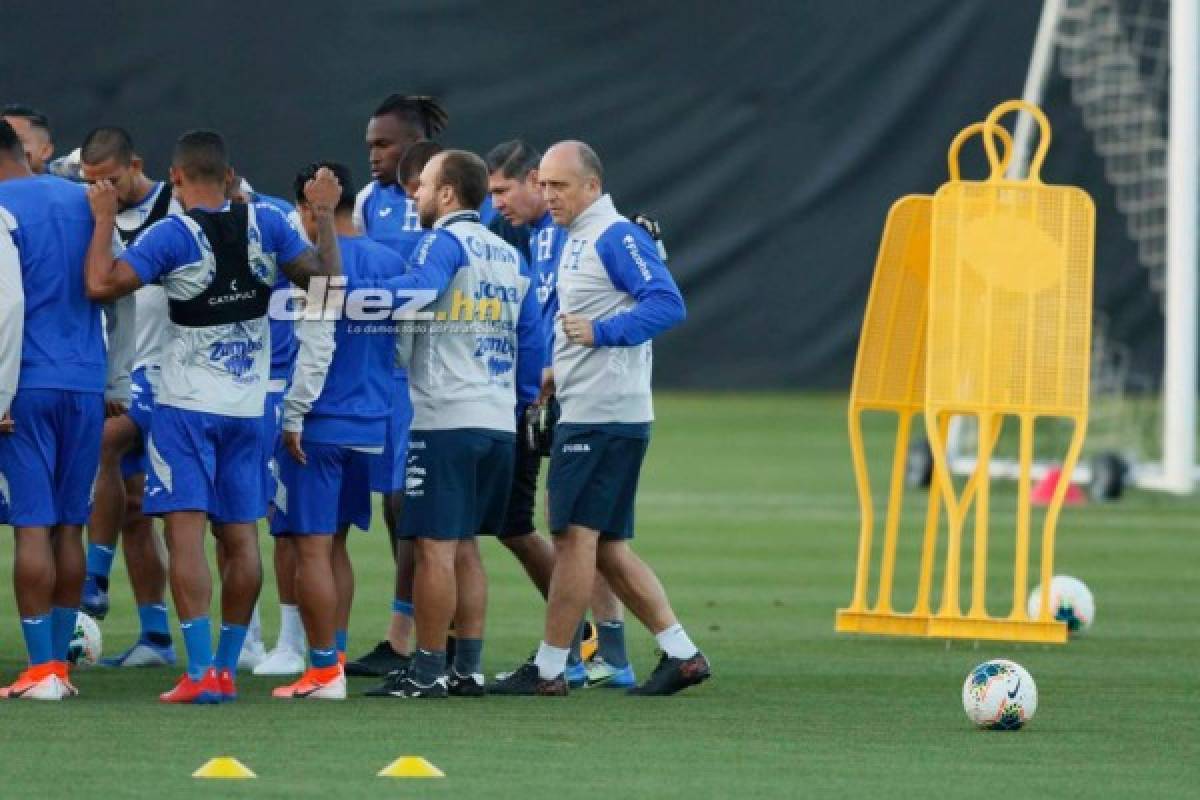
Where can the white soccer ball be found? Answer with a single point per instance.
(1070, 600)
(999, 695)
(86, 642)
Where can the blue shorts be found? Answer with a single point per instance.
(303, 501)
(457, 483)
(205, 462)
(48, 463)
(593, 477)
(387, 468)
(141, 411)
(272, 425)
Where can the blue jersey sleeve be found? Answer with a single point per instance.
(634, 266)
(163, 247)
(435, 261)
(279, 236)
(530, 346)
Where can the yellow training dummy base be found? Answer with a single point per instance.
(223, 767)
(411, 767)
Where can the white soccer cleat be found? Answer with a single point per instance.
(283, 660)
(254, 652)
(142, 654)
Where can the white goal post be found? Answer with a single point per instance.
(1105, 47)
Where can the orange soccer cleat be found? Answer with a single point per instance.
(323, 683)
(207, 690)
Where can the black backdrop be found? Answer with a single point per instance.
(769, 137)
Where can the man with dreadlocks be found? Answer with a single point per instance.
(385, 212)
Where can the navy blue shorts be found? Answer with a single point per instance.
(522, 494)
(593, 477)
(141, 412)
(304, 502)
(48, 463)
(387, 468)
(205, 462)
(456, 483)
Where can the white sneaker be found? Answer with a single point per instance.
(253, 653)
(283, 660)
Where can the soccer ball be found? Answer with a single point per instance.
(999, 695)
(84, 650)
(1071, 601)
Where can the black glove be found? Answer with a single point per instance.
(539, 426)
(650, 225)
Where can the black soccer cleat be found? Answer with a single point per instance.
(526, 680)
(674, 675)
(400, 684)
(380, 661)
(465, 685)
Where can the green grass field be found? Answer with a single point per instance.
(747, 511)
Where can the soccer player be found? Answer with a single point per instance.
(53, 356)
(217, 264)
(33, 129)
(516, 196)
(108, 154)
(467, 369)
(615, 295)
(335, 415)
(386, 213)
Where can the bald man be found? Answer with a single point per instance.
(615, 295)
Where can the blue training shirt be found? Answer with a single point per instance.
(356, 399)
(389, 216)
(50, 224)
(545, 248)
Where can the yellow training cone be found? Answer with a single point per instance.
(223, 767)
(411, 767)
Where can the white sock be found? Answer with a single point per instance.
(551, 661)
(675, 643)
(291, 628)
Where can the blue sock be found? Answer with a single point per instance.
(229, 646)
(428, 666)
(155, 628)
(62, 630)
(612, 642)
(339, 640)
(322, 658)
(401, 607)
(197, 639)
(468, 653)
(99, 562)
(39, 639)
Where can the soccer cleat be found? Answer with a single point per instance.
(576, 675)
(391, 681)
(41, 682)
(526, 680)
(328, 683)
(205, 691)
(405, 687)
(94, 601)
(465, 685)
(143, 654)
(502, 675)
(254, 652)
(381, 661)
(675, 674)
(63, 670)
(283, 660)
(228, 686)
(601, 673)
